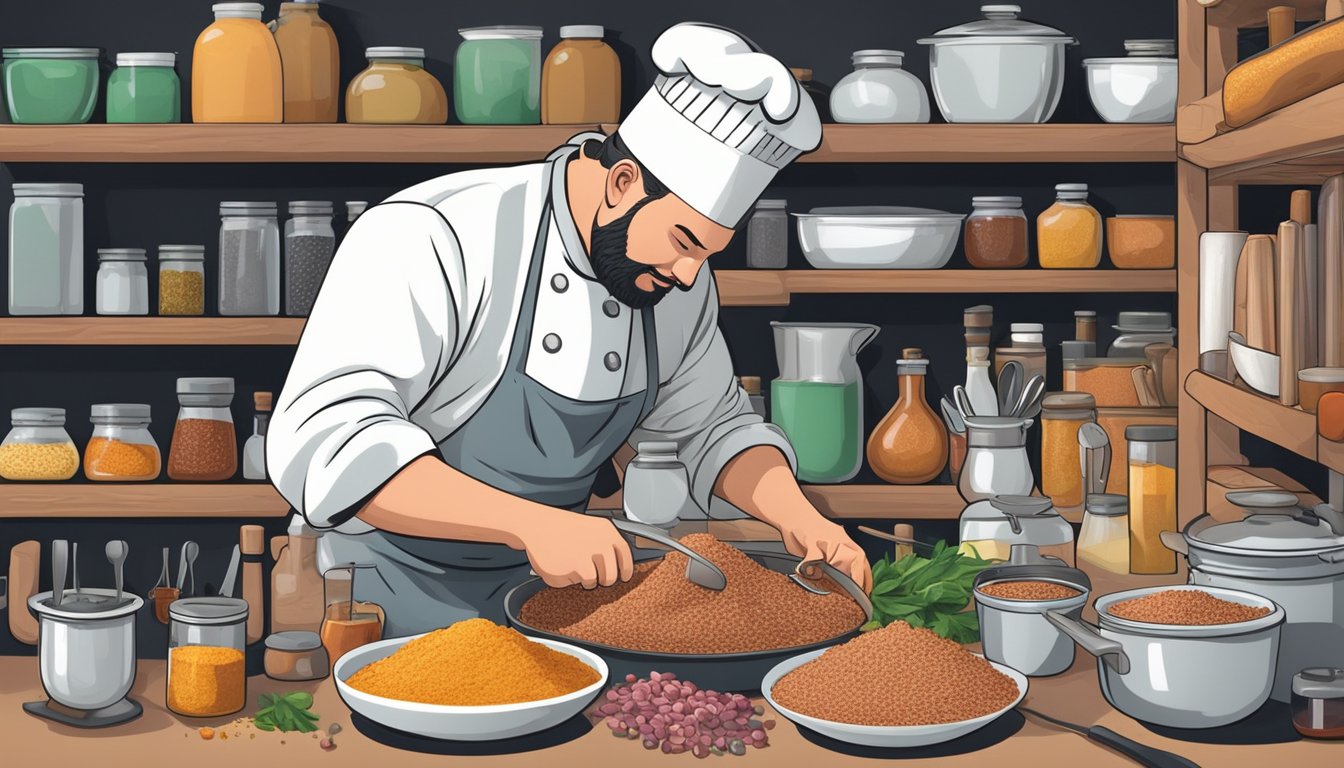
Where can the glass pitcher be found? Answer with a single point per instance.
(818, 398)
(996, 458)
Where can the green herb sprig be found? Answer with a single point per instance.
(930, 592)
(285, 712)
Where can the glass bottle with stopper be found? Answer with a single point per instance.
(909, 446)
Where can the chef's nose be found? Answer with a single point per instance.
(686, 268)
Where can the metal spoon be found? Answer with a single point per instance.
(60, 552)
(953, 418)
(812, 569)
(116, 552)
(963, 400)
(699, 571)
(1010, 383)
(192, 549)
(1029, 403)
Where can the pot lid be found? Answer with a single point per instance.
(1144, 322)
(208, 610)
(1319, 683)
(1107, 504)
(1267, 532)
(1000, 24)
(1069, 401)
(294, 641)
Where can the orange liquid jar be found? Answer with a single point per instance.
(236, 76)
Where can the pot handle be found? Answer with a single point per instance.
(1175, 542)
(1110, 651)
(1333, 556)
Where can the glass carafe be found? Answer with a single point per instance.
(996, 458)
(818, 398)
(346, 624)
(909, 446)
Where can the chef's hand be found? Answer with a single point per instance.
(817, 538)
(567, 548)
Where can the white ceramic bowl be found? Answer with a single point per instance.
(886, 736)
(1132, 89)
(483, 723)
(878, 237)
(1258, 368)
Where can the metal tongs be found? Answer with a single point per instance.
(699, 571)
(811, 570)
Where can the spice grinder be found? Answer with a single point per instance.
(86, 657)
(1016, 632)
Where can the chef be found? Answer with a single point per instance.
(485, 341)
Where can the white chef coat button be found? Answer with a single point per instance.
(612, 361)
(551, 343)
(611, 308)
(559, 283)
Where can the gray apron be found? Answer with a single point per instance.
(524, 440)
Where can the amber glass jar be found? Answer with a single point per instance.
(1068, 233)
(581, 79)
(310, 58)
(1062, 414)
(396, 89)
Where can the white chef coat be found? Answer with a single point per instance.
(412, 327)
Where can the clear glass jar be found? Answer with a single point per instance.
(879, 91)
(182, 280)
(310, 242)
(1104, 539)
(249, 259)
(497, 76)
(768, 235)
(204, 447)
(1068, 233)
(38, 447)
(396, 89)
(207, 663)
(656, 490)
(121, 449)
(1152, 497)
(46, 250)
(1062, 415)
(123, 282)
(990, 527)
(996, 233)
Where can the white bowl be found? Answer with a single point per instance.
(1258, 368)
(886, 736)
(483, 723)
(878, 237)
(1132, 90)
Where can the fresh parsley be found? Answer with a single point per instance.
(285, 712)
(928, 592)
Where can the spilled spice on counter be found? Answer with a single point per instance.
(1192, 607)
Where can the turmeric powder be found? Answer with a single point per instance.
(111, 459)
(206, 680)
(472, 663)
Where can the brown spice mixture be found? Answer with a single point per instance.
(1028, 590)
(660, 611)
(1193, 607)
(898, 675)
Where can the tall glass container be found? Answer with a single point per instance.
(46, 250)
(1068, 233)
(497, 77)
(204, 446)
(310, 242)
(1152, 497)
(1062, 415)
(249, 259)
(310, 58)
(207, 669)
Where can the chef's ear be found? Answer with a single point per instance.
(624, 179)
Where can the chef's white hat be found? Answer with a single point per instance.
(720, 121)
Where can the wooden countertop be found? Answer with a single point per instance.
(1011, 741)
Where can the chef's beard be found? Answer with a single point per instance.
(615, 270)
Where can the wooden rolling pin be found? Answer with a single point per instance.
(1261, 294)
(24, 560)
(252, 544)
(1292, 257)
(1282, 23)
(1331, 274)
(1308, 271)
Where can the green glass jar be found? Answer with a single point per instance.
(144, 88)
(497, 79)
(46, 86)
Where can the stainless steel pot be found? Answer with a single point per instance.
(1181, 676)
(87, 657)
(1292, 556)
(1016, 632)
(999, 69)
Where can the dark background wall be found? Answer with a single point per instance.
(145, 205)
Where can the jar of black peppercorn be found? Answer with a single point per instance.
(310, 242)
(204, 446)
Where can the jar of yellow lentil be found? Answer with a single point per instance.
(38, 447)
(121, 448)
(1068, 233)
(207, 664)
(1062, 415)
(181, 280)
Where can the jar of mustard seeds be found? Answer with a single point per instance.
(1068, 233)
(38, 447)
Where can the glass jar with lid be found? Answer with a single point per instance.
(657, 487)
(144, 88)
(879, 91)
(996, 233)
(310, 242)
(1068, 233)
(768, 235)
(204, 447)
(249, 259)
(121, 449)
(1104, 539)
(581, 79)
(182, 280)
(990, 527)
(497, 76)
(1152, 497)
(38, 447)
(123, 282)
(207, 665)
(1318, 702)
(396, 89)
(1062, 415)
(46, 249)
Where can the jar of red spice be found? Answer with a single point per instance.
(204, 446)
(996, 233)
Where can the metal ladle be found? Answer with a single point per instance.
(699, 571)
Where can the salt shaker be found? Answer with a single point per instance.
(768, 235)
(657, 488)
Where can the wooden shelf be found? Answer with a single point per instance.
(1290, 428)
(344, 143)
(897, 502)
(980, 281)
(193, 331)
(1299, 144)
(1237, 14)
(140, 500)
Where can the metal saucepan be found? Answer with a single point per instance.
(1177, 675)
(1016, 632)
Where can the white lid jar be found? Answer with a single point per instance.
(123, 282)
(879, 91)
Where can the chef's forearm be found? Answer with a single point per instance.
(430, 499)
(760, 482)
